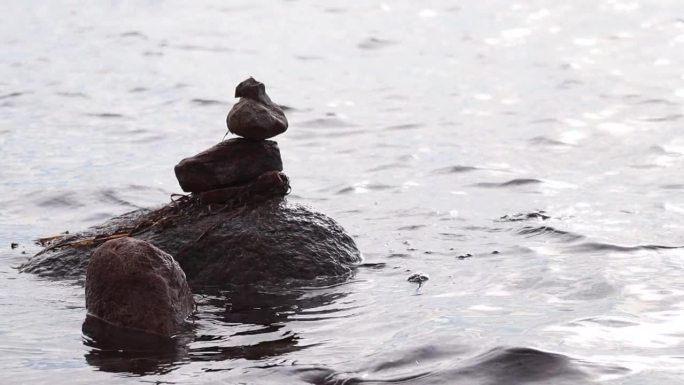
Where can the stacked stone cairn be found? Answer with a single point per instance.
(136, 280)
(244, 169)
(134, 285)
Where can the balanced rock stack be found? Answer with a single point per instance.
(138, 278)
(246, 168)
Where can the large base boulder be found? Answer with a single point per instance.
(131, 284)
(257, 244)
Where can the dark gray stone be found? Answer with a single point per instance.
(228, 163)
(255, 116)
(268, 243)
(132, 284)
(267, 185)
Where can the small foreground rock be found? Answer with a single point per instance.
(132, 284)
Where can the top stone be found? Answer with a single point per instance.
(255, 116)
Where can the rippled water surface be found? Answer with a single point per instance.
(526, 155)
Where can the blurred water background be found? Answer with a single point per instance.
(526, 155)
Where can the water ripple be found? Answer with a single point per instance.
(12, 95)
(539, 214)
(451, 365)
(589, 247)
(511, 183)
(548, 231)
(454, 169)
(208, 102)
(327, 122)
(374, 43)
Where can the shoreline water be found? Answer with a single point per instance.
(417, 128)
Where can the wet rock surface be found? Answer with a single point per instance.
(132, 284)
(234, 228)
(268, 184)
(255, 116)
(228, 163)
(272, 242)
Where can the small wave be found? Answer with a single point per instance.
(511, 183)
(447, 365)
(454, 169)
(532, 231)
(328, 122)
(260, 350)
(588, 247)
(375, 43)
(540, 214)
(12, 95)
(133, 34)
(410, 227)
(142, 187)
(545, 121)
(656, 101)
(387, 167)
(107, 115)
(59, 200)
(408, 126)
(308, 57)
(677, 186)
(547, 142)
(523, 365)
(207, 102)
(192, 47)
(666, 118)
(236, 8)
(568, 83)
(451, 236)
(110, 195)
(72, 95)
(373, 266)
(342, 133)
(587, 289)
(644, 166)
(363, 188)
(485, 229)
(607, 321)
(656, 149)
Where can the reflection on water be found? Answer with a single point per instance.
(112, 349)
(228, 325)
(253, 325)
(525, 155)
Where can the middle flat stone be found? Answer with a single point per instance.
(230, 162)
